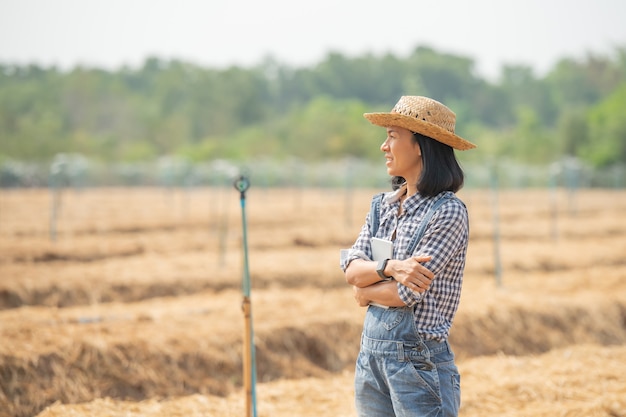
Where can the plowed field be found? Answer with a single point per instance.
(130, 303)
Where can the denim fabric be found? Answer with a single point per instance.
(398, 373)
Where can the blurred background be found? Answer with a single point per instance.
(155, 93)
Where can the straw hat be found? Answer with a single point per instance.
(425, 116)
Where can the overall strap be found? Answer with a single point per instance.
(374, 219)
(422, 227)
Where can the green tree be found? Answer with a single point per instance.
(607, 131)
(572, 131)
(175, 107)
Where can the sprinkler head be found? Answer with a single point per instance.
(242, 184)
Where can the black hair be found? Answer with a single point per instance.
(440, 169)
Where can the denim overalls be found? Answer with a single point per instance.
(398, 373)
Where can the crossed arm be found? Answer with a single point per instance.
(368, 287)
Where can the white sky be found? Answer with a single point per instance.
(112, 33)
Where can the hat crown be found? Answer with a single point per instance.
(425, 116)
(426, 109)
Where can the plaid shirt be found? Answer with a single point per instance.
(445, 239)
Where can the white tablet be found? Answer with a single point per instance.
(381, 249)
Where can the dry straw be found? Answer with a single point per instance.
(153, 317)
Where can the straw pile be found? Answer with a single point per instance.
(581, 381)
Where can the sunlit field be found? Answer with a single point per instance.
(127, 302)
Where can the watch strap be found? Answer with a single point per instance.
(382, 264)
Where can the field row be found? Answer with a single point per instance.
(104, 212)
(128, 274)
(577, 381)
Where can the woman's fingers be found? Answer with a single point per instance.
(421, 268)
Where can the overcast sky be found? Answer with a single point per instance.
(112, 33)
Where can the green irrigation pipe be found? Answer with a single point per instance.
(249, 361)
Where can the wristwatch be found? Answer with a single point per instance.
(382, 264)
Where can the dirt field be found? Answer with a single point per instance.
(134, 309)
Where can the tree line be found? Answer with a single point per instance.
(171, 107)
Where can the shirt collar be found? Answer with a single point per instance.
(410, 204)
(396, 195)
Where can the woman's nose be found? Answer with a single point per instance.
(384, 145)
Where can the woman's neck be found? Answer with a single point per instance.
(411, 189)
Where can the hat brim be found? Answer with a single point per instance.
(419, 126)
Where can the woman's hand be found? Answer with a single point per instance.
(411, 273)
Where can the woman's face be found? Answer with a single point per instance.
(402, 153)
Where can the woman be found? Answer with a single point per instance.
(405, 365)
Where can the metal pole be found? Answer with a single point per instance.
(554, 201)
(57, 178)
(496, 225)
(249, 364)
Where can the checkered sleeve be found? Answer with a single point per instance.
(445, 240)
(361, 249)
